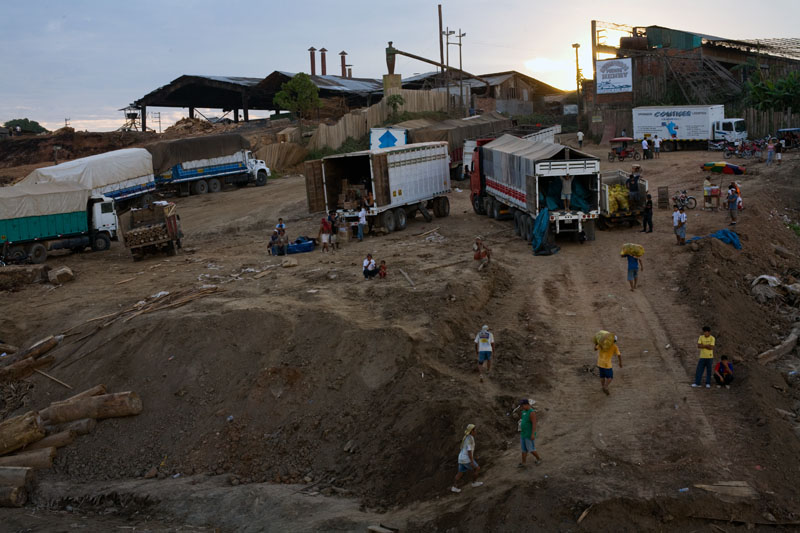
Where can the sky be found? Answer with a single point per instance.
(86, 59)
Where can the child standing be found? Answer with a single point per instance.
(382, 270)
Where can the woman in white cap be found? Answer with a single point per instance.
(484, 347)
(466, 459)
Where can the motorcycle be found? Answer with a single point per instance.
(683, 199)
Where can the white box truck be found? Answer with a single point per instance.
(688, 126)
(394, 183)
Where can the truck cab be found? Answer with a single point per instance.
(258, 168)
(104, 216)
(730, 129)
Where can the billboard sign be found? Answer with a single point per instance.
(614, 76)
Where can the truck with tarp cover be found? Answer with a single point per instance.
(393, 184)
(453, 131)
(37, 218)
(520, 179)
(200, 165)
(125, 176)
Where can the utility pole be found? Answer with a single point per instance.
(578, 81)
(461, 72)
(441, 44)
(447, 33)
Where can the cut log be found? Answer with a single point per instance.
(105, 406)
(16, 476)
(84, 426)
(35, 351)
(8, 348)
(97, 390)
(13, 496)
(35, 459)
(19, 431)
(56, 440)
(24, 368)
(780, 350)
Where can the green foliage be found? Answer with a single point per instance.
(350, 145)
(28, 126)
(779, 94)
(298, 95)
(795, 227)
(395, 101)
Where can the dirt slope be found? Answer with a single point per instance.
(308, 359)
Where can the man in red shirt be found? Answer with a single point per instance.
(723, 373)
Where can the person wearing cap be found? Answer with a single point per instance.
(481, 253)
(527, 432)
(484, 347)
(604, 366)
(466, 459)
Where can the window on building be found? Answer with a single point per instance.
(525, 94)
(512, 93)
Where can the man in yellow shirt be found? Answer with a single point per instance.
(604, 356)
(705, 344)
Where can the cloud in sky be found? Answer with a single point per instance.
(86, 59)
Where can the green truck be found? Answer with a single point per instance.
(51, 216)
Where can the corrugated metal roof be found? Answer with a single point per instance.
(533, 150)
(337, 83)
(236, 80)
(418, 77)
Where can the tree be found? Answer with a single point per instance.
(298, 95)
(28, 126)
(394, 101)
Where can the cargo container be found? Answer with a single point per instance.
(688, 126)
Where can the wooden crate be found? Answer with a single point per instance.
(663, 198)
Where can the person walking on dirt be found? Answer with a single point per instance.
(580, 139)
(679, 224)
(466, 459)
(362, 221)
(634, 265)
(723, 373)
(647, 215)
(325, 234)
(656, 147)
(527, 432)
(484, 348)
(733, 205)
(481, 253)
(566, 191)
(705, 344)
(604, 366)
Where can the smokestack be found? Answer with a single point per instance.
(349, 73)
(342, 54)
(322, 66)
(313, 60)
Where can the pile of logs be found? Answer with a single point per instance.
(22, 364)
(146, 235)
(30, 441)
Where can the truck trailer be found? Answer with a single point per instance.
(392, 183)
(613, 211)
(200, 165)
(51, 216)
(688, 126)
(532, 133)
(150, 230)
(125, 176)
(518, 179)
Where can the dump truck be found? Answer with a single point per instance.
(686, 126)
(517, 179)
(201, 165)
(613, 211)
(151, 230)
(125, 176)
(393, 183)
(37, 218)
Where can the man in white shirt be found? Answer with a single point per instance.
(466, 459)
(566, 191)
(580, 139)
(645, 148)
(656, 147)
(679, 225)
(484, 347)
(362, 221)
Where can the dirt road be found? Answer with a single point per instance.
(311, 358)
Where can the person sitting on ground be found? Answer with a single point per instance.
(273, 242)
(382, 270)
(481, 253)
(370, 270)
(324, 234)
(723, 373)
(283, 242)
(566, 191)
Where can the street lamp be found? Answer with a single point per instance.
(577, 81)
(447, 34)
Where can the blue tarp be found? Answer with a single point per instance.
(725, 235)
(552, 197)
(540, 229)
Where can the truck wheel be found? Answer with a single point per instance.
(589, 229)
(16, 254)
(101, 242)
(171, 249)
(38, 253)
(400, 219)
(488, 205)
(388, 221)
(214, 185)
(527, 223)
(261, 178)
(636, 156)
(518, 229)
(496, 207)
(477, 205)
(425, 213)
(199, 187)
(444, 206)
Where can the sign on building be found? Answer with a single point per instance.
(614, 76)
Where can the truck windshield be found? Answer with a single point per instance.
(740, 125)
(727, 126)
(107, 207)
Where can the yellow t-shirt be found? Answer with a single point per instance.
(707, 353)
(604, 356)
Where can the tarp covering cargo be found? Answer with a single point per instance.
(455, 131)
(97, 171)
(27, 200)
(167, 154)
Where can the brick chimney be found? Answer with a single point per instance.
(349, 72)
(313, 60)
(322, 66)
(343, 54)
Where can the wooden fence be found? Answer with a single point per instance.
(357, 123)
(763, 123)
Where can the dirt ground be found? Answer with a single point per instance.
(252, 395)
